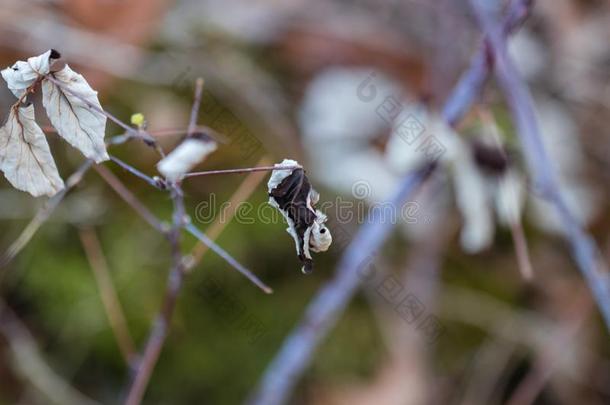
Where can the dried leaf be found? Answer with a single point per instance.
(75, 121)
(22, 74)
(25, 157)
(291, 193)
(187, 155)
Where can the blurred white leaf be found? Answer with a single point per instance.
(187, 155)
(471, 196)
(25, 157)
(76, 122)
(22, 74)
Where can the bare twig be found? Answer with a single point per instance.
(521, 251)
(243, 192)
(196, 105)
(128, 196)
(540, 166)
(190, 228)
(160, 328)
(468, 88)
(244, 170)
(151, 181)
(45, 212)
(110, 299)
(130, 199)
(43, 215)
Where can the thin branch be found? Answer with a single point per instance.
(162, 323)
(196, 105)
(151, 181)
(520, 101)
(468, 88)
(156, 133)
(45, 212)
(110, 299)
(243, 170)
(128, 196)
(243, 192)
(160, 328)
(521, 251)
(130, 199)
(190, 228)
(43, 215)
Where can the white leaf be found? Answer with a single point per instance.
(473, 203)
(22, 74)
(25, 157)
(75, 121)
(187, 155)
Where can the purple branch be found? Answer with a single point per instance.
(540, 166)
(471, 82)
(151, 181)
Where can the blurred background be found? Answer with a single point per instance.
(444, 317)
